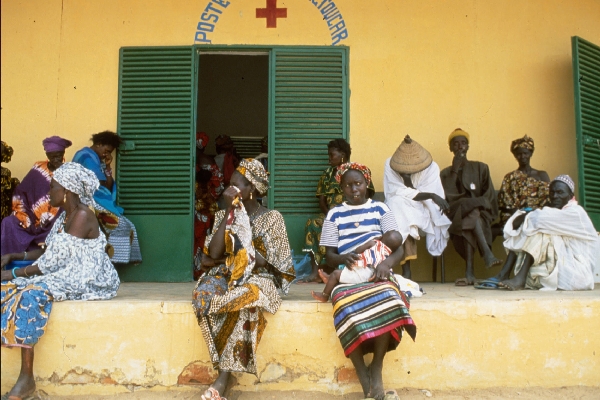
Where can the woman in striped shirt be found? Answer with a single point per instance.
(369, 317)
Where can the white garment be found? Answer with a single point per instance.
(412, 215)
(561, 242)
(219, 160)
(356, 275)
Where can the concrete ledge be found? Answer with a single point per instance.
(148, 337)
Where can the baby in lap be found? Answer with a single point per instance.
(371, 254)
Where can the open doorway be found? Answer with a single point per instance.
(232, 123)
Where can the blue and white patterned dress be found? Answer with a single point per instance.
(73, 269)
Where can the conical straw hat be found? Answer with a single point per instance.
(410, 157)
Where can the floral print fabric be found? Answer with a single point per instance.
(521, 191)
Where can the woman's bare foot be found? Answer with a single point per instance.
(491, 260)
(24, 387)
(324, 276)
(513, 284)
(322, 297)
(377, 392)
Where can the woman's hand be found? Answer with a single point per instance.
(229, 195)
(382, 271)
(260, 260)
(207, 262)
(349, 259)
(6, 275)
(7, 258)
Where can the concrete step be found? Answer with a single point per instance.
(147, 338)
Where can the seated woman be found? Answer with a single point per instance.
(249, 265)
(8, 182)
(348, 226)
(330, 195)
(209, 186)
(73, 266)
(121, 234)
(32, 215)
(554, 245)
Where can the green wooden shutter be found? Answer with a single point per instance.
(586, 78)
(308, 108)
(156, 118)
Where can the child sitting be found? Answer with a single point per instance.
(371, 254)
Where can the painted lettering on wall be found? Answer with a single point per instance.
(333, 16)
(208, 19)
(214, 9)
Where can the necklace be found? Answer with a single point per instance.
(355, 218)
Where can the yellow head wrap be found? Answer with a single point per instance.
(458, 132)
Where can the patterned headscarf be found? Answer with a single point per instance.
(525, 142)
(79, 180)
(201, 140)
(7, 152)
(342, 169)
(254, 171)
(566, 179)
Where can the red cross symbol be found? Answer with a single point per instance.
(271, 13)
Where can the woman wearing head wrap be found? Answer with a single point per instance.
(368, 317)
(227, 158)
(8, 183)
(209, 186)
(120, 231)
(72, 266)
(525, 187)
(329, 193)
(554, 246)
(32, 214)
(249, 265)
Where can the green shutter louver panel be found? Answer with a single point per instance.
(155, 166)
(156, 119)
(309, 97)
(586, 78)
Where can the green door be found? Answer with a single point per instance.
(586, 78)
(156, 117)
(308, 108)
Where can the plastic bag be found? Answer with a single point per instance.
(302, 266)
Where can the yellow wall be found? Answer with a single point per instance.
(499, 69)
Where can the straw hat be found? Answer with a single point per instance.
(410, 157)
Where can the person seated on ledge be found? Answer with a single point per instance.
(73, 266)
(368, 317)
(525, 187)
(249, 266)
(32, 215)
(8, 182)
(473, 206)
(554, 245)
(413, 191)
(330, 195)
(121, 233)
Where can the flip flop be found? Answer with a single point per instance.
(391, 394)
(490, 280)
(488, 285)
(462, 282)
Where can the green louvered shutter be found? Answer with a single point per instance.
(309, 107)
(586, 77)
(155, 165)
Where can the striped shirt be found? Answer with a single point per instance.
(347, 227)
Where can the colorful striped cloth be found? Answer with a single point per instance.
(367, 310)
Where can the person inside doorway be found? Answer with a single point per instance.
(227, 158)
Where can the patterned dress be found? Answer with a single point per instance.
(332, 191)
(520, 191)
(32, 215)
(73, 269)
(229, 300)
(207, 194)
(8, 183)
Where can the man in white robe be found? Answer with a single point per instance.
(555, 246)
(413, 191)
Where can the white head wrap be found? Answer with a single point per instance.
(79, 180)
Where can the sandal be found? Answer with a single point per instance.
(214, 395)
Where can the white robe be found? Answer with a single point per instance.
(562, 243)
(412, 215)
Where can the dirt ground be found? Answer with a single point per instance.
(530, 393)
